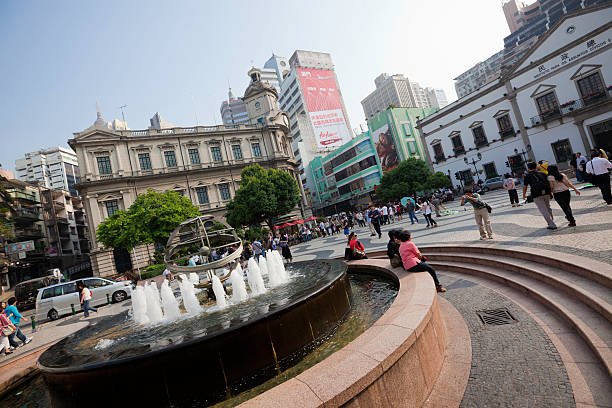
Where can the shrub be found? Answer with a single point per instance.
(152, 271)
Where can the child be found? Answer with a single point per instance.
(413, 260)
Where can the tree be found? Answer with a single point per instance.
(6, 205)
(438, 180)
(263, 196)
(150, 219)
(408, 177)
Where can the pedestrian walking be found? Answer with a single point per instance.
(12, 313)
(435, 201)
(481, 213)
(257, 250)
(410, 209)
(375, 216)
(385, 215)
(85, 299)
(413, 261)
(6, 329)
(580, 167)
(559, 186)
(599, 168)
(540, 193)
(285, 250)
(368, 220)
(510, 187)
(426, 208)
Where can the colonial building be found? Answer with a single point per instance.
(202, 163)
(556, 101)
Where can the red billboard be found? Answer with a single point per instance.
(324, 106)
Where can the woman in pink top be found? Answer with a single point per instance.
(413, 260)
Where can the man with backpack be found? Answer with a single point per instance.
(540, 192)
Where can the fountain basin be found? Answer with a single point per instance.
(205, 367)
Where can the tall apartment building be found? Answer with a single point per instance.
(55, 168)
(399, 91)
(479, 75)
(233, 110)
(66, 223)
(274, 71)
(311, 96)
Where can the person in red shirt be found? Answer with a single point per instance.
(356, 247)
(413, 260)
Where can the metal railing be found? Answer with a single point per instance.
(506, 133)
(459, 150)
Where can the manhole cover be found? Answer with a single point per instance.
(496, 317)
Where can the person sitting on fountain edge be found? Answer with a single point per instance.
(393, 248)
(356, 247)
(413, 260)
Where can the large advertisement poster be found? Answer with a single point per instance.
(323, 102)
(385, 148)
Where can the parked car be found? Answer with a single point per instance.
(493, 183)
(57, 300)
(27, 291)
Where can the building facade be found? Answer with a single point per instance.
(55, 168)
(233, 110)
(202, 163)
(555, 102)
(397, 90)
(65, 223)
(479, 75)
(274, 71)
(311, 96)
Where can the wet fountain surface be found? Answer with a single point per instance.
(118, 340)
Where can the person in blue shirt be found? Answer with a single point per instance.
(15, 317)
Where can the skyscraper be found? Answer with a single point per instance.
(233, 110)
(318, 120)
(56, 168)
(479, 75)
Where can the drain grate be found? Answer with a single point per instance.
(496, 317)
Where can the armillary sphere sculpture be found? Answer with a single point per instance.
(207, 235)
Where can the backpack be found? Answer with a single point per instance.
(539, 184)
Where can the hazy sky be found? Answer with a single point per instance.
(59, 58)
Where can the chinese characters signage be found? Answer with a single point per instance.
(18, 247)
(323, 103)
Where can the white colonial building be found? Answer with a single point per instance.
(554, 102)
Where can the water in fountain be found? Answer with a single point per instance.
(277, 269)
(169, 302)
(239, 292)
(263, 265)
(217, 287)
(154, 310)
(256, 282)
(194, 278)
(139, 305)
(190, 300)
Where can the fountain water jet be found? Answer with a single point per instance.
(190, 300)
(239, 292)
(154, 310)
(277, 269)
(219, 291)
(169, 302)
(139, 305)
(194, 278)
(263, 265)
(256, 282)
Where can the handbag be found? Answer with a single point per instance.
(8, 330)
(488, 207)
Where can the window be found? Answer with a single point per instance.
(194, 156)
(202, 193)
(591, 87)
(490, 170)
(237, 152)
(504, 124)
(547, 104)
(216, 153)
(480, 139)
(562, 150)
(145, 161)
(70, 288)
(224, 191)
(111, 207)
(438, 152)
(457, 144)
(96, 283)
(104, 165)
(256, 149)
(52, 292)
(170, 158)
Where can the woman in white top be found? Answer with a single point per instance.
(85, 298)
(426, 209)
(511, 188)
(560, 190)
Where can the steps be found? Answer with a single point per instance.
(578, 290)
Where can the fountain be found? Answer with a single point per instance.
(169, 302)
(219, 292)
(239, 292)
(154, 310)
(190, 300)
(256, 282)
(263, 265)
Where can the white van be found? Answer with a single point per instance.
(56, 300)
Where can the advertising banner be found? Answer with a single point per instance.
(324, 105)
(385, 148)
(19, 247)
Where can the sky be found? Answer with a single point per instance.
(177, 58)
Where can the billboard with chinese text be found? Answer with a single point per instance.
(324, 106)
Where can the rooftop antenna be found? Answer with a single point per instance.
(123, 113)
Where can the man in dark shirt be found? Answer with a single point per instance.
(540, 192)
(375, 216)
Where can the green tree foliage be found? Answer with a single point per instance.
(438, 180)
(6, 204)
(150, 219)
(408, 177)
(263, 196)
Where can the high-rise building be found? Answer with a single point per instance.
(479, 75)
(397, 90)
(55, 168)
(310, 94)
(274, 71)
(233, 111)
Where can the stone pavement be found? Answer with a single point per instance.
(523, 226)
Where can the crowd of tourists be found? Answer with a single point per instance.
(10, 318)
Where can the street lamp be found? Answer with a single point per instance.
(523, 153)
(473, 162)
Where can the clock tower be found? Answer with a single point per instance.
(261, 100)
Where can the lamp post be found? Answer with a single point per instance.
(523, 153)
(473, 162)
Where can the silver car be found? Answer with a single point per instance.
(57, 300)
(493, 183)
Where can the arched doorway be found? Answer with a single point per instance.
(123, 261)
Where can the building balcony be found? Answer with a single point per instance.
(440, 158)
(26, 214)
(573, 107)
(458, 150)
(58, 219)
(507, 133)
(481, 142)
(29, 233)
